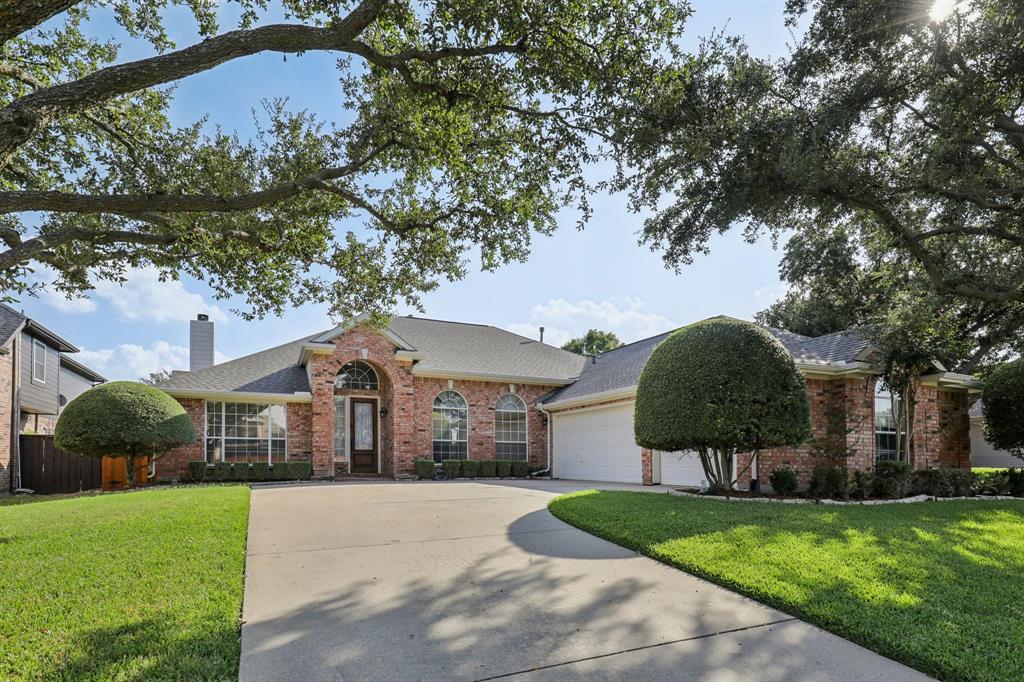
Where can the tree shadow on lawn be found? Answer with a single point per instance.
(153, 649)
(930, 584)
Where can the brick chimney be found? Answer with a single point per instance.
(200, 343)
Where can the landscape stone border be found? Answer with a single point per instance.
(800, 500)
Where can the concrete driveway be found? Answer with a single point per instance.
(472, 580)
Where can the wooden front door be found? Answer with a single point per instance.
(363, 435)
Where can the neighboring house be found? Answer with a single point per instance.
(37, 378)
(358, 400)
(983, 454)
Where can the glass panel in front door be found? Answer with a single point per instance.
(363, 418)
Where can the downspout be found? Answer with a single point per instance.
(16, 408)
(547, 415)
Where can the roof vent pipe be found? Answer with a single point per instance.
(200, 343)
(542, 334)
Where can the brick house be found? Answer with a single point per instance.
(37, 378)
(356, 400)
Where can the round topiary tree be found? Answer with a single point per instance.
(1003, 407)
(123, 419)
(720, 387)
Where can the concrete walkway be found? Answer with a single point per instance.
(473, 580)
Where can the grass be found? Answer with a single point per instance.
(127, 586)
(936, 585)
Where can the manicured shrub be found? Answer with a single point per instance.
(424, 469)
(452, 467)
(123, 419)
(995, 482)
(222, 471)
(300, 470)
(891, 481)
(488, 467)
(929, 482)
(242, 471)
(829, 482)
(720, 387)
(861, 484)
(259, 471)
(1015, 482)
(503, 468)
(279, 471)
(520, 469)
(1003, 407)
(470, 468)
(784, 481)
(961, 482)
(196, 470)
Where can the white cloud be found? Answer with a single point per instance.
(562, 320)
(132, 361)
(144, 297)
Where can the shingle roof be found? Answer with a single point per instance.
(446, 347)
(460, 348)
(10, 321)
(621, 367)
(275, 370)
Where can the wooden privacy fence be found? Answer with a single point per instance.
(47, 469)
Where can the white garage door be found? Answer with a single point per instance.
(678, 468)
(597, 445)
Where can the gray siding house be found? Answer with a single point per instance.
(37, 378)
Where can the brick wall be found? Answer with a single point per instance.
(406, 430)
(481, 397)
(173, 465)
(299, 423)
(941, 429)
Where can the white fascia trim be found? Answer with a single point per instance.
(614, 394)
(500, 378)
(240, 396)
(953, 380)
(835, 368)
(310, 349)
(408, 355)
(357, 320)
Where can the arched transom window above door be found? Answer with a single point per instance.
(357, 374)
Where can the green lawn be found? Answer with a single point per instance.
(937, 585)
(129, 586)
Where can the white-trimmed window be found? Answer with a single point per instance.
(450, 426)
(357, 374)
(245, 432)
(510, 428)
(38, 361)
(886, 438)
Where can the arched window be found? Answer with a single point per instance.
(357, 374)
(451, 426)
(510, 428)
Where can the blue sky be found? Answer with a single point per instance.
(574, 280)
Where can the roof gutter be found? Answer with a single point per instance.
(239, 396)
(480, 376)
